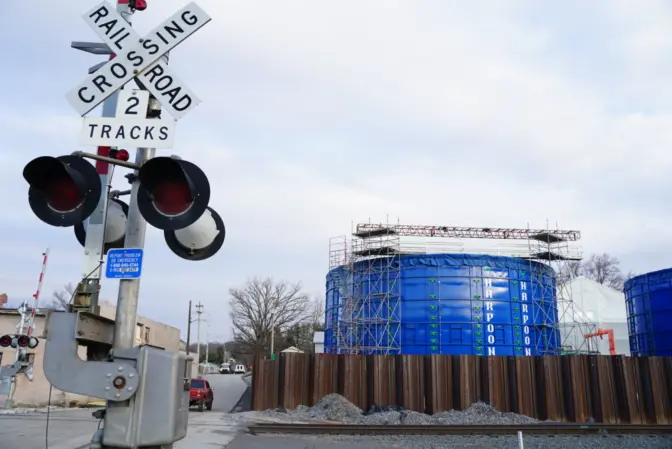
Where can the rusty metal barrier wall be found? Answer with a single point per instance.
(601, 389)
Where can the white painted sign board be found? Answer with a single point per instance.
(136, 57)
(127, 132)
(132, 103)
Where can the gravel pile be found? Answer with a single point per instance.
(480, 413)
(335, 407)
(28, 410)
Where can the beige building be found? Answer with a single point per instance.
(36, 392)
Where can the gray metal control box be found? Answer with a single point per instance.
(159, 410)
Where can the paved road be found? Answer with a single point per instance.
(72, 429)
(228, 389)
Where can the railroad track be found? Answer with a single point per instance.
(528, 429)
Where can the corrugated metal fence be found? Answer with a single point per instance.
(606, 389)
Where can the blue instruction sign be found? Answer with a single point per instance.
(124, 263)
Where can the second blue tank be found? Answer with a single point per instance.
(453, 304)
(648, 302)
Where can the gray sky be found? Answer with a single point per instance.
(318, 114)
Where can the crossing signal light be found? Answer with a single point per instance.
(121, 155)
(22, 341)
(115, 226)
(173, 193)
(200, 240)
(138, 5)
(64, 190)
(5, 341)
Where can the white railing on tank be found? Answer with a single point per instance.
(522, 250)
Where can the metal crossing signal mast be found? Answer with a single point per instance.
(145, 389)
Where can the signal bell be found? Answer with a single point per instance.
(64, 190)
(115, 226)
(173, 193)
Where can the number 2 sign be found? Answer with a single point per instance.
(132, 103)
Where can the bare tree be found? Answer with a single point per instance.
(61, 298)
(604, 269)
(568, 272)
(317, 317)
(264, 305)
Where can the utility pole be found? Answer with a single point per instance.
(207, 342)
(273, 343)
(189, 321)
(188, 370)
(199, 312)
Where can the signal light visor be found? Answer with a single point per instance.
(64, 190)
(173, 193)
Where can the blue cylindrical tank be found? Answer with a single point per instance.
(449, 304)
(648, 301)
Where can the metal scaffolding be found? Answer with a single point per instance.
(368, 269)
(564, 333)
(559, 322)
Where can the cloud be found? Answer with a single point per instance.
(319, 115)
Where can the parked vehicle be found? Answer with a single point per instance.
(240, 369)
(201, 394)
(225, 368)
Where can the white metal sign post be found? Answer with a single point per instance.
(139, 57)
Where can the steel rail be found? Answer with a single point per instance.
(400, 429)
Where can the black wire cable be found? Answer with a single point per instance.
(46, 433)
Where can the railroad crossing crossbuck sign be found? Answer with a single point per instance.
(139, 58)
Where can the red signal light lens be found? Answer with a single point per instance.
(23, 340)
(140, 5)
(122, 155)
(172, 197)
(63, 195)
(5, 341)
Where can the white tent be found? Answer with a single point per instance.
(292, 349)
(318, 341)
(599, 305)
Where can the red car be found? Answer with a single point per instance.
(201, 394)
